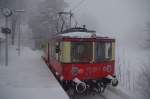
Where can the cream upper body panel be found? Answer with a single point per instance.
(65, 52)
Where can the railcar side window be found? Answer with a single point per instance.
(103, 51)
(81, 51)
(57, 48)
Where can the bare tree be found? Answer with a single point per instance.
(43, 20)
(13, 4)
(147, 36)
(144, 81)
(13, 28)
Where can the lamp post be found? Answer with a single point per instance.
(7, 13)
(19, 30)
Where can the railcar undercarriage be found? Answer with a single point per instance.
(77, 86)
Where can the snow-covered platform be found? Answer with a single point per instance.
(28, 77)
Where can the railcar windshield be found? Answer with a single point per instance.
(103, 51)
(81, 51)
(85, 52)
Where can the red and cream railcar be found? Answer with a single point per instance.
(82, 60)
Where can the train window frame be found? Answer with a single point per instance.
(57, 48)
(81, 59)
(103, 52)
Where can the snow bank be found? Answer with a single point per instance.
(27, 77)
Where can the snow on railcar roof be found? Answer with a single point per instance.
(82, 35)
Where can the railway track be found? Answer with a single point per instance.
(110, 93)
(91, 96)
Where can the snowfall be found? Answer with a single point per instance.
(28, 77)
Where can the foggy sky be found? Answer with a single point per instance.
(124, 19)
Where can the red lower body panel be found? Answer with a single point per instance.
(89, 71)
(57, 66)
(85, 70)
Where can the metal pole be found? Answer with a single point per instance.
(70, 19)
(0, 51)
(6, 43)
(19, 31)
(19, 35)
(7, 13)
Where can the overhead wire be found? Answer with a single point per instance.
(78, 5)
(75, 8)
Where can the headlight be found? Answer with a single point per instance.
(75, 70)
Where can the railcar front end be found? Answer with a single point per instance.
(83, 64)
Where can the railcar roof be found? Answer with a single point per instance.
(83, 35)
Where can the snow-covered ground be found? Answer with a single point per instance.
(27, 77)
(113, 93)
